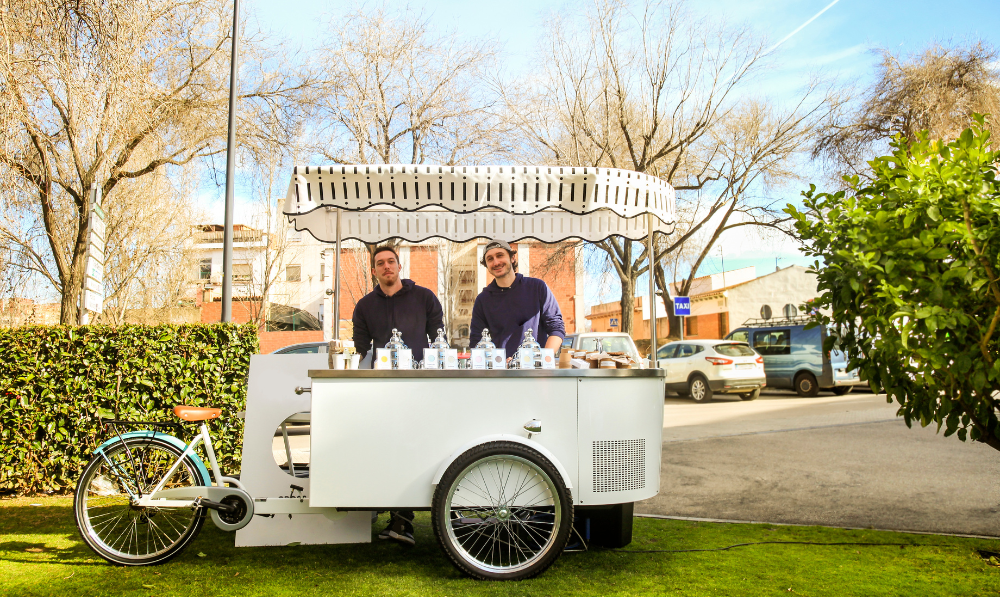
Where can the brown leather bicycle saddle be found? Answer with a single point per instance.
(197, 413)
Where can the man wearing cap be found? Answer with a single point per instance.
(417, 314)
(512, 303)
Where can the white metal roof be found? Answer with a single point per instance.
(461, 203)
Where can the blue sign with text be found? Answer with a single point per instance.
(682, 305)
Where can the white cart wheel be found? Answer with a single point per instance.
(502, 512)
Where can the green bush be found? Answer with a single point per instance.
(53, 380)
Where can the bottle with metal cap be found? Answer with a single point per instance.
(440, 344)
(487, 343)
(530, 346)
(395, 344)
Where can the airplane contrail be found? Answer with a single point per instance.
(800, 28)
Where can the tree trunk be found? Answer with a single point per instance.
(628, 306)
(674, 321)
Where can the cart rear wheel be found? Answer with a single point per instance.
(502, 512)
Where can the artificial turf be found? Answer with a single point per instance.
(41, 554)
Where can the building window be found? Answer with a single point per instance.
(692, 325)
(205, 270)
(322, 272)
(293, 273)
(242, 272)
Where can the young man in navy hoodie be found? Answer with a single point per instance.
(512, 303)
(417, 314)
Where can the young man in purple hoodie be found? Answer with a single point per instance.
(512, 303)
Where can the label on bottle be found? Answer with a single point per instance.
(526, 359)
(431, 358)
(548, 358)
(498, 359)
(478, 358)
(404, 358)
(383, 358)
(451, 358)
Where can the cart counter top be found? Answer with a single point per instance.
(481, 373)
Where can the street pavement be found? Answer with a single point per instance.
(831, 460)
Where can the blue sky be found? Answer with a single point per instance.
(837, 44)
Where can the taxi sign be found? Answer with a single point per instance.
(682, 305)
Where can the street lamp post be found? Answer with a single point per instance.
(227, 239)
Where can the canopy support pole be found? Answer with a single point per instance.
(336, 284)
(652, 293)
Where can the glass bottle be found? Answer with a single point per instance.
(395, 344)
(441, 346)
(487, 343)
(530, 346)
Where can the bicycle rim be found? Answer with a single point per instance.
(117, 529)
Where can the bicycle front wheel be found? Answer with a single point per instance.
(117, 529)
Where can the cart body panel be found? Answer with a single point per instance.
(380, 439)
(379, 443)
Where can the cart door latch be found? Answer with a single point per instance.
(533, 426)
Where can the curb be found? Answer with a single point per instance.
(793, 524)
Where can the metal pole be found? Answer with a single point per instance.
(227, 239)
(336, 283)
(652, 293)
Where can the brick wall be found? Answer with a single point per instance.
(242, 312)
(556, 265)
(424, 267)
(272, 341)
(709, 326)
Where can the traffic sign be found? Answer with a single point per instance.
(682, 305)
(614, 322)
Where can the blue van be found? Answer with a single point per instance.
(794, 356)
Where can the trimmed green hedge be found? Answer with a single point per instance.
(54, 379)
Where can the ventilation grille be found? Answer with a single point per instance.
(619, 465)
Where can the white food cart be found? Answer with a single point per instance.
(501, 458)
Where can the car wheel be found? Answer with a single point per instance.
(750, 395)
(699, 389)
(842, 390)
(806, 386)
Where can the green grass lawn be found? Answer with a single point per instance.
(41, 554)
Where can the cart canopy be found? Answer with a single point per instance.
(462, 203)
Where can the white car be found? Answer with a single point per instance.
(702, 368)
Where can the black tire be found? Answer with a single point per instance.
(750, 395)
(477, 530)
(805, 385)
(842, 390)
(128, 535)
(699, 390)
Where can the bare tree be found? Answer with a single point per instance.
(654, 89)
(148, 254)
(272, 248)
(937, 89)
(404, 94)
(106, 92)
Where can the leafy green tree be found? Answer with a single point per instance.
(908, 269)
